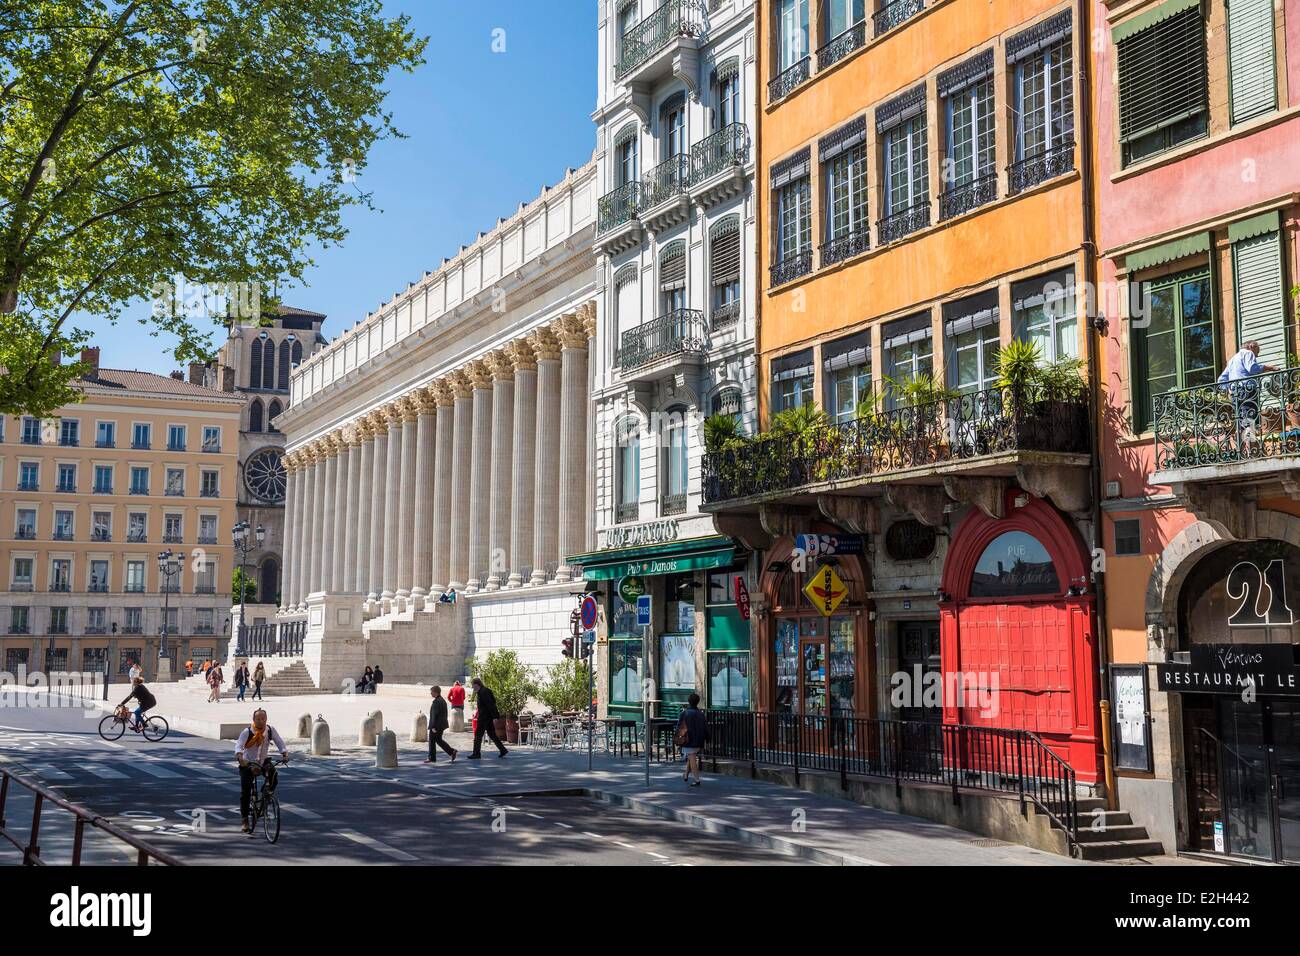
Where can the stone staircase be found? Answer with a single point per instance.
(284, 675)
(1109, 834)
(291, 681)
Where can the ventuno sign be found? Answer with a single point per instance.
(1231, 668)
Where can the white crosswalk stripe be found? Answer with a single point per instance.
(154, 769)
(102, 771)
(383, 848)
(48, 772)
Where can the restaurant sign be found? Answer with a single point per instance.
(1233, 669)
(652, 532)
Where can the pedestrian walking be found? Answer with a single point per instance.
(487, 713)
(691, 735)
(189, 668)
(437, 725)
(259, 675)
(241, 678)
(214, 682)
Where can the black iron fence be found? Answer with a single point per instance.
(1249, 419)
(958, 756)
(947, 430)
(673, 333)
(283, 639)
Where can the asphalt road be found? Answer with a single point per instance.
(182, 795)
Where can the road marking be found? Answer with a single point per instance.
(657, 856)
(51, 773)
(104, 773)
(383, 848)
(626, 846)
(594, 836)
(300, 811)
(159, 770)
(565, 825)
(536, 816)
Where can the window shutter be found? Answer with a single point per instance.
(724, 251)
(1251, 68)
(629, 305)
(1260, 300)
(672, 266)
(1162, 74)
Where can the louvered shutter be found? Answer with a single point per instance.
(724, 252)
(1260, 299)
(672, 267)
(1162, 74)
(1251, 67)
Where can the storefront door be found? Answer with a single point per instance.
(918, 656)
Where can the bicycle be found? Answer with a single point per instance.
(264, 806)
(113, 726)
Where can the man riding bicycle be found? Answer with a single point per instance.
(252, 752)
(145, 702)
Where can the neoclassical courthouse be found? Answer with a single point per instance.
(444, 445)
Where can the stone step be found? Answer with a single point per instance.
(1122, 832)
(1120, 849)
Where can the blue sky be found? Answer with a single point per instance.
(486, 131)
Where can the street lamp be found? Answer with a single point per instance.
(169, 565)
(244, 543)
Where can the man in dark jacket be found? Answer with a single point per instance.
(242, 678)
(487, 712)
(437, 724)
(697, 735)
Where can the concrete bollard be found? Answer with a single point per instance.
(379, 720)
(320, 737)
(458, 720)
(420, 728)
(368, 731)
(304, 725)
(386, 750)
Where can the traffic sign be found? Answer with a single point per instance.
(588, 612)
(643, 610)
(742, 597)
(825, 590)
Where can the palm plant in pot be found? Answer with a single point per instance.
(801, 430)
(920, 408)
(511, 681)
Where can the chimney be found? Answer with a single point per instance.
(227, 378)
(196, 373)
(90, 356)
(178, 376)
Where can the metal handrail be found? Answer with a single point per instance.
(31, 849)
(673, 333)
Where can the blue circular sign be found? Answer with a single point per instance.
(588, 612)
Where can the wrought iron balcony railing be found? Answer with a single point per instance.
(66, 487)
(139, 489)
(58, 629)
(791, 268)
(19, 629)
(61, 587)
(207, 539)
(674, 18)
(103, 489)
(99, 534)
(845, 246)
(725, 316)
(209, 492)
(62, 534)
(725, 149)
(205, 589)
(25, 533)
(202, 628)
(950, 430)
(134, 589)
(903, 223)
(105, 443)
(67, 442)
(895, 13)
(670, 178)
(618, 207)
(173, 537)
(28, 486)
(174, 492)
(627, 511)
(96, 629)
(784, 82)
(20, 586)
(837, 48)
(1044, 165)
(140, 445)
(673, 505)
(132, 628)
(961, 199)
(98, 587)
(678, 332)
(1251, 419)
(137, 537)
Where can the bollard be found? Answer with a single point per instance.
(367, 731)
(386, 750)
(320, 737)
(458, 720)
(379, 720)
(419, 728)
(304, 725)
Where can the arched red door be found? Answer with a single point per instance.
(1018, 621)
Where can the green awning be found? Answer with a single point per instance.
(1260, 225)
(1153, 16)
(1167, 252)
(715, 551)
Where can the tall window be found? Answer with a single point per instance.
(255, 364)
(69, 432)
(139, 481)
(31, 431)
(909, 351)
(135, 527)
(1179, 347)
(207, 529)
(1163, 84)
(846, 367)
(674, 127)
(22, 580)
(792, 32)
(844, 174)
(26, 527)
(211, 438)
(171, 528)
(627, 19)
(1044, 92)
(676, 462)
(728, 91)
(255, 415)
(1043, 312)
(272, 410)
(672, 277)
(968, 104)
(286, 360)
(724, 269)
(29, 476)
(102, 526)
(175, 437)
(792, 198)
(625, 156)
(907, 174)
(268, 361)
(103, 479)
(628, 465)
(67, 477)
(840, 15)
(98, 576)
(626, 292)
(105, 434)
(971, 328)
(63, 525)
(140, 435)
(175, 481)
(209, 484)
(792, 381)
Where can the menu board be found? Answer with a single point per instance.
(1131, 724)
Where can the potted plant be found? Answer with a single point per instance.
(565, 687)
(801, 429)
(920, 406)
(511, 681)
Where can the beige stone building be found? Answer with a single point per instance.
(89, 498)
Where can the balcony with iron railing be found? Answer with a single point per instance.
(60, 587)
(648, 50)
(674, 504)
(210, 491)
(66, 487)
(139, 489)
(20, 586)
(102, 488)
(718, 164)
(133, 588)
(96, 629)
(678, 334)
(207, 539)
(62, 534)
(173, 537)
(903, 222)
(202, 628)
(724, 316)
(846, 245)
(58, 628)
(99, 534)
(137, 537)
(1236, 431)
(986, 431)
(205, 589)
(895, 14)
(98, 587)
(132, 628)
(960, 198)
(784, 83)
(105, 443)
(627, 511)
(665, 193)
(19, 629)
(791, 267)
(29, 486)
(25, 533)
(174, 491)
(1048, 163)
(837, 48)
(616, 216)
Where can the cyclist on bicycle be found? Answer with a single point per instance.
(145, 702)
(252, 752)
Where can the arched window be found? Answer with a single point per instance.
(255, 365)
(676, 462)
(255, 416)
(271, 412)
(672, 276)
(268, 364)
(625, 155)
(268, 585)
(627, 470)
(1014, 564)
(724, 270)
(628, 314)
(285, 352)
(727, 402)
(297, 353)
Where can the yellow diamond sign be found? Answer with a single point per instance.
(826, 590)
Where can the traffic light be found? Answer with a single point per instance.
(568, 647)
(586, 650)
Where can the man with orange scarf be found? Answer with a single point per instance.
(252, 753)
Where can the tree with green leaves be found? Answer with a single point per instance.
(242, 584)
(145, 140)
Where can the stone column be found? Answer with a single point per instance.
(573, 441)
(407, 494)
(423, 490)
(441, 529)
(480, 474)
(523, 460)
(499, 491)
(392, 507)
(290, 520)
(589, 506)
(328, 515)
(546, 484)
(343, 455)
(458, 541)
(351, 521)
(378, 484)
(361, 558)
(317, 541)
(306, 517)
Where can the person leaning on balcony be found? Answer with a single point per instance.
(1244, 364)
(1244, 391)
